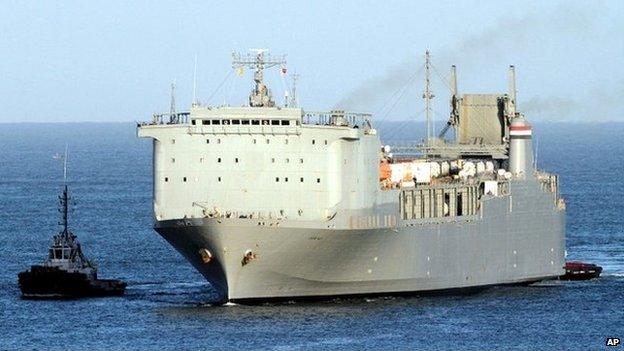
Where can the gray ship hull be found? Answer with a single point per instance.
(513, 239)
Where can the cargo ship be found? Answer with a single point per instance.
(275, 202)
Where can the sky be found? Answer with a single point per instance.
(77, 61)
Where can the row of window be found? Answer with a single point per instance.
(237, 160)
(277, 179)
(255, 141)
(253, 122)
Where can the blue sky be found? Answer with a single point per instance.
(114, 61)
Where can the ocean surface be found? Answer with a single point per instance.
(167, 304)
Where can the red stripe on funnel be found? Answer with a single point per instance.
(519, 127)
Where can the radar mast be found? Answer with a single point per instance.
(258, 60)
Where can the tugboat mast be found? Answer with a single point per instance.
(65, 197)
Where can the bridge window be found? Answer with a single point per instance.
(276, 179)
(173, 160)
(325, 142)
(236, 121)
(275, 122)
(268, 141)
(206, 122)
(193, 122)
(285, 122)
(318, 180)
(226, 121)
(286, 179)
(245, 121)
(216, 121)
(313, 141)
(184, 179)
(218, 141)
(219, 179)
(166, 179)
(287, 160)
(219, 159)
(255, 141)
(300, 160)
(236, 160)
(207, 141)
(272, 160)
(265, 122)
(255, 122)
(301, 179)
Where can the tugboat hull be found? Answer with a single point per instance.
(581, 271)
(42, 282)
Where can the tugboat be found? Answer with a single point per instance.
(581, 271)
(66, 273)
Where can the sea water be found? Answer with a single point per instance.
(167, 303)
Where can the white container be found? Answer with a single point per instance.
(491, 187)
(445, 169)
(480, 167)
(421, 172)
(469, 169)
(501, 172)
(435, 169)
(396, 172)
(406, 184)
(489, 167)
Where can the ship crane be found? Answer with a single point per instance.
(258, 60)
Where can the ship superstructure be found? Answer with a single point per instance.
(278, 202)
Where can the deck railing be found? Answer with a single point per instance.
(336, 118)
(169, 118)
